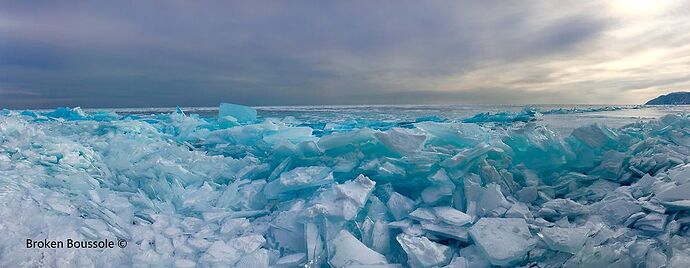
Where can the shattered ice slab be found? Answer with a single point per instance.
(676, 196)
(299, 178)
(595, 136)
(562, 207)
(421, 252)
(493, 202)
(458, 233)
(235, 112)
(452, 216)
(68, 113)
(291, 260)
(652, 222)
(441, 189)
(357, 190)
(526, 115)
(348, 250)
(344, 201)
(503, 240)
(568, 240)
(230, 252)
(399, 205)
(618, 209)
(401, 140)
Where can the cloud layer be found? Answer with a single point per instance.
(200, 53)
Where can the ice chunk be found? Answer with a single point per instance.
(527, 194)
(235, 227)
(258, 258)
(292, 135)
(474, 257)
(287, 231)
(562, 207)
(595, 136)
(458, 262)
(655, 258)
(345, 200)
(595, 192)
(676, 196)
(345, 141)
(441, 189)
(653, 222)
(467, 155)
(526, 115)
(492, 202)
(68, 113)
(315, 245)
(424, 214)
(376, 235)
(610, 166)
(399, 205)
(292, 260)
(357, 190)
(618, 209)
(452, 216)
(299, 178)
(461, 135)
(347, 250)
(230, 252)
(568, 240)
(633, 218)
(422, 252)
(503, 240)
(450, 231)
(238, 112)
(400, 140)
(519, 210)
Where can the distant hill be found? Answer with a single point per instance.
(674, 98)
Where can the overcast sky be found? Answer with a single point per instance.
(201, 53)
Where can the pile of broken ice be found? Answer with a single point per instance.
(243, 191)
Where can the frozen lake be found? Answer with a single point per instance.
(347, 186)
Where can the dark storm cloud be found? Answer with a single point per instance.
(167, 53)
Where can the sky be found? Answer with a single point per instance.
(200, 53)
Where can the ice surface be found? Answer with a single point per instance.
(297, 179)
(452, 216)
(248, 190)
(422, 252)
(568, 240)
(504, 240)
(350, 251)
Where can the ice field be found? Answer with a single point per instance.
(348, 186)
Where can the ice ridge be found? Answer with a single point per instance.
(240, 190)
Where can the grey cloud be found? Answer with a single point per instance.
(121, 53)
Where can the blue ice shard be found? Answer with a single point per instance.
(235, 112)
(298, 179)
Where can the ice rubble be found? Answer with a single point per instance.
(529, 114)
(245, 191)
(577, 110)
(526, 115)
